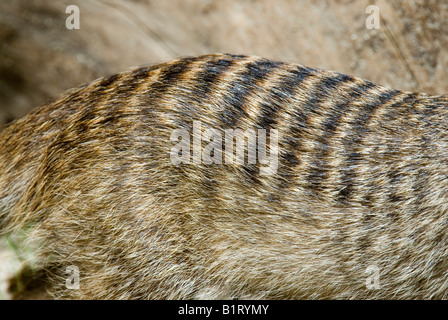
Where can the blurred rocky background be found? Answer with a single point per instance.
(40, 58)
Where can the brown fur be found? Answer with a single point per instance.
(361, 181)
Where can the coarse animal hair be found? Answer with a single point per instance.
(361, 182)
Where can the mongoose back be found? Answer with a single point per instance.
(355, 209)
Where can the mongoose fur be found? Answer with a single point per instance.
(362, 180)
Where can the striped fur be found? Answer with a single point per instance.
(361, 181)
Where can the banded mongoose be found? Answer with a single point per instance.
(360, 189)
